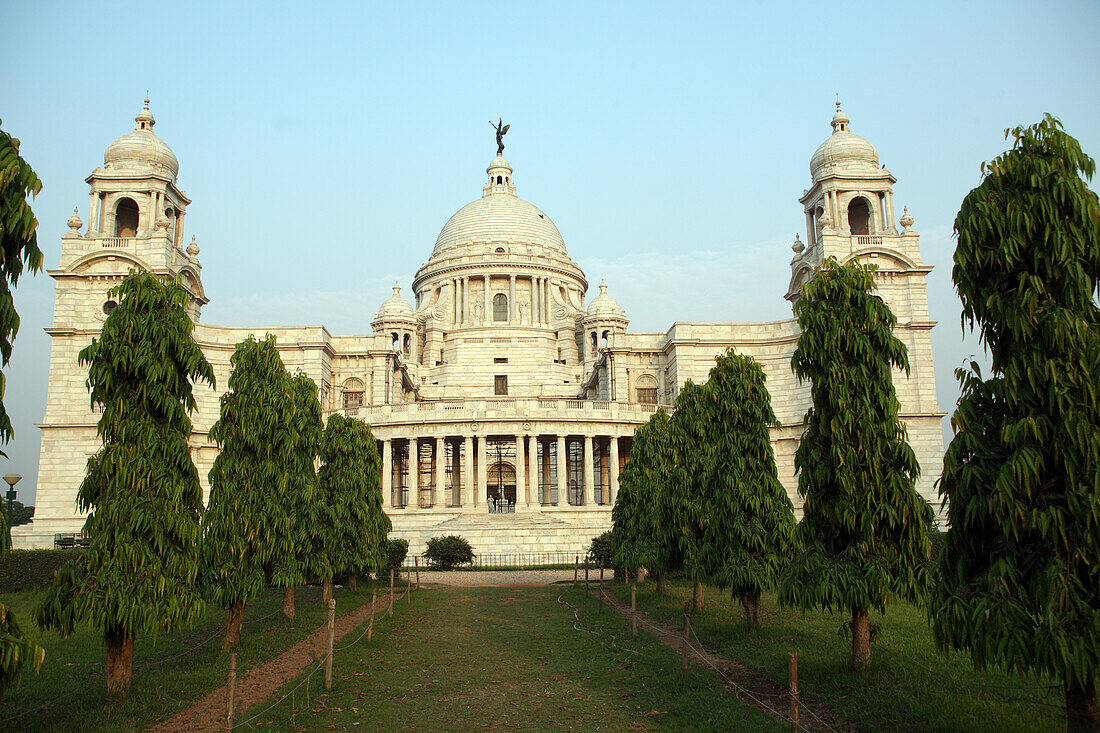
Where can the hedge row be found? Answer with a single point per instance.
(31, 569)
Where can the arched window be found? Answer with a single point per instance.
(126, 218)
(395, 341)
(499, 180)
(353, 394)
(500, 307)
(859, 216)
(646, 389)
(593, 341)
(407, 343)
(604, 338)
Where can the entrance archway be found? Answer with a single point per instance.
(500, 488)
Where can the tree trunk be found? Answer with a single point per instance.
(660, 582)
(697, 597)
(288, 602)
(326, 591)
(641, 575)
(353, 582)
(751, 604)
(233, 627)
(1082, 715)
(861, 639)
(120, 660)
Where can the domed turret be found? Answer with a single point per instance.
(394, 307)
(141, 149)
(844, 152)
(604, 306)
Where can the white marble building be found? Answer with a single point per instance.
(503, 406)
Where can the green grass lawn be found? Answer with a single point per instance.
(507, 659)
(911, 686)
(69, 693)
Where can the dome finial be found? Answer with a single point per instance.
(840, 120)
(144, 118)
(396, 288)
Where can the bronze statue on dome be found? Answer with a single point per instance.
(502, 130)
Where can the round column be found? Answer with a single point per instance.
(563, 490)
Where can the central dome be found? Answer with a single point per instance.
(141, 149)
(499, 216)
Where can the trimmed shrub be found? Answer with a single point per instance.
(445, 553)
(396, 551)
(31, 569)
(602, 550)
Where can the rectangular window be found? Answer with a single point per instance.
(647, 395)
(353, 399)
(500, 360)
(500, 384)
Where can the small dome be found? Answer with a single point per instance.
(394, 307)
(604, 305)
(141, 149)
(844, 153)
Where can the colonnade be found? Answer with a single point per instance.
(534, 293)
(552, 471)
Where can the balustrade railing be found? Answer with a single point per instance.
(118, 242)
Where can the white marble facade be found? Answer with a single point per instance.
(503, 406)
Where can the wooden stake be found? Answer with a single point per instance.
(370, 626)
(601, 586)
(331, 635)
(416, 563)
(634, 607)
(391, 591)
(232, 691)
(792, 671)
(684, 639)
(586, 575)
(576, 565)
(408, 590)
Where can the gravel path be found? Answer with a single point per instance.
(480, 578)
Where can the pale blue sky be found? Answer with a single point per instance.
(325, 145)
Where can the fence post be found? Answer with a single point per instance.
(792, 669)
(331, 634)
(576, 565)
(416, 563)
(232, 685)
(601, 586)
(391, 591)
(370, 626)
(634, 607)
(586, 574)
(408, 590)
(684, 638)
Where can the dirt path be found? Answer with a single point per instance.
(260, 683)
(750, 686)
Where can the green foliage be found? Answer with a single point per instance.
(248, 532)
(602, 549)
(140, 571)
(18, 249)
(350, 527)
(750, 518)
(31, 569)
(447, 553)
(20, 513)
(643, 533)
(863, 538)
(1018, 584)
(396, 550)
(301, 495)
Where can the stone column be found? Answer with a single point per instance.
(605, 477)
(513, 313)
(440, 453)
(521, 470)
(486, 316)
(890, 211)
(614, 467)
(465, 299)
(482, 472)
(93, 212)
(810, 229)
(387, 473)
(563, 489)
(589, 476)
(414, 473)
(533, 469)
(468, 472)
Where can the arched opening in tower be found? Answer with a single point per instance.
(500, 307)
(126, 218)
(859, 216)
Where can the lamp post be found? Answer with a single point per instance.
(11, 479)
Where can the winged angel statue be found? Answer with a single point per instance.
(502, 130)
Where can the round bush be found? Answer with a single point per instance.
(445, 553)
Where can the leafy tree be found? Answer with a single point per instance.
(447, 553)
(20, 513)
(248, 538)
(350, 473)
(643, 534)
(751, 518)
(864, 533)
(19, 249)
(301, 492)
(602, 549)
(1018, 583)
(690, 497)
(140, 573)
